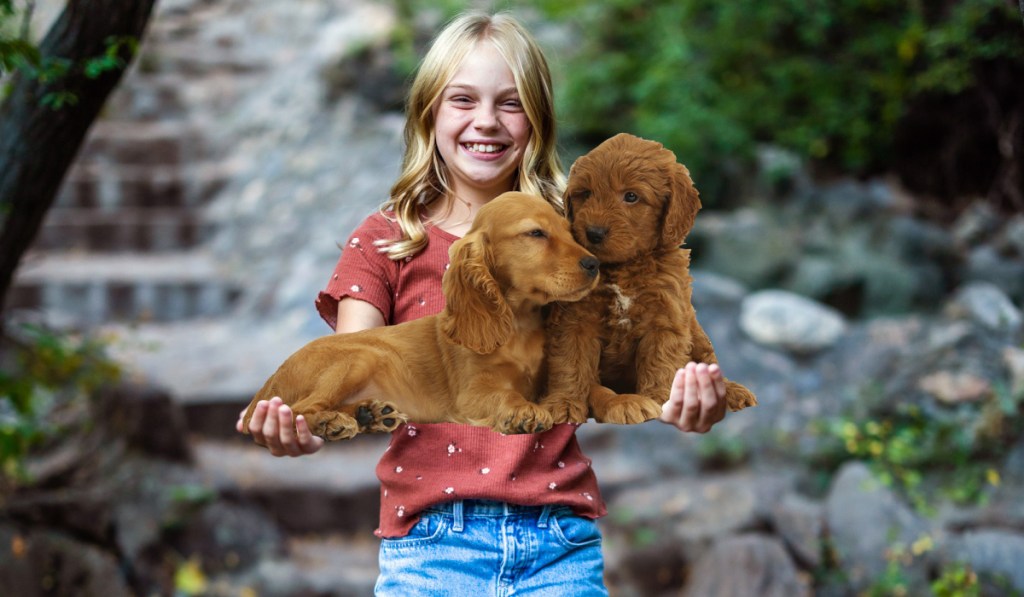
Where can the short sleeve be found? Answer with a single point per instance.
(362, 272)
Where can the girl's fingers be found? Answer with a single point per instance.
(672, 410)
(308, 443)
(286, 431)
(259, 415)
(691, 399)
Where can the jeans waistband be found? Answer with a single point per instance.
(462, 508)
(486, 508)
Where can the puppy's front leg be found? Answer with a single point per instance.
(492, 403)
(573, 356)
(656, 356)
(621, 409)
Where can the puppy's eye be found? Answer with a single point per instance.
(580, 194)
(537, 233)
(630, 197)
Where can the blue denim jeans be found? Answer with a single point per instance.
(481, 548)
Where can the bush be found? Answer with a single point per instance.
(42, 372)
(831, 81)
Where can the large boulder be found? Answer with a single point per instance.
(788, 321)
(869, 526)
(746, 565)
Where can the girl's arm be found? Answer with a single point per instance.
(355, 315)
(272, 424)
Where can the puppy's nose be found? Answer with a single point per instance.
(590, 265)
(596, 234)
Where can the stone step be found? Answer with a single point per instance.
(124, 230)
(111, 186)
(146, 96)
(82, 289)
(334, 490)
(149, 143)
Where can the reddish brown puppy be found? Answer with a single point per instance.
(477, 362)
(613, 354)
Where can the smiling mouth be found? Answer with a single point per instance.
(486, 148)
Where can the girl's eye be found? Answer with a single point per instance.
(630, 197)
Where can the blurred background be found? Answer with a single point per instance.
(859, 264)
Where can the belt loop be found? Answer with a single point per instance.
(542, 520)
(457, 526)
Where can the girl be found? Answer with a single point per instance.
(465, 510)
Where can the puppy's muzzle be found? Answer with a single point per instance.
(596, 234)
(591, 265)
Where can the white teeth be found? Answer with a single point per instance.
(483, 148)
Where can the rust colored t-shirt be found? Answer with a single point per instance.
(427, 464)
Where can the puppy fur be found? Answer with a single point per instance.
(613, 355)
(478, 362)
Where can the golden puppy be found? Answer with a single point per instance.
(477, 362)
(632, 205)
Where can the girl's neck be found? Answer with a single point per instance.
(455, 212)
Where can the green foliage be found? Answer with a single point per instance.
(828, 80)
(43, 370)
(20, 54)
(902, 449)
(957, 581)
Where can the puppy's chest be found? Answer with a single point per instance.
(621, 302)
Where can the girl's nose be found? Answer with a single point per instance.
(486, 118)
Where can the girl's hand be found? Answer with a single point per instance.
(697, 399)
(272, 427)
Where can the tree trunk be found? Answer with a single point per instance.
(38, 143)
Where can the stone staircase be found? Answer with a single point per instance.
(123, 241)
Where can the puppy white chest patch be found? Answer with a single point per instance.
(620, 305)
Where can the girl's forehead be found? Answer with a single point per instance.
(483, 63)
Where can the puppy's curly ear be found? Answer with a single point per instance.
(475, 315)
(681, 207)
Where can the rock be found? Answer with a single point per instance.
(975, 224)
(714, 289)
(955, 387)
(227, 536)
(785, 320)
(986, 304)
(867, 525)
(1014, 359)
(692, 512)
(41, 562)
(996, 554)
(985, 264)
(746, 245)
(801, 523)
(1012, 238)
(149, 419)
(746, 565)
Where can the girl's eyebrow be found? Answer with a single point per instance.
(511, 89)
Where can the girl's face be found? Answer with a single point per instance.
(480, 127)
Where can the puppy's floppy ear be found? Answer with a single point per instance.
(475, 315)
(681, 206)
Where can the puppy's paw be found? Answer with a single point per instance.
(526, 418)
(375, 416)
(738, 397)
(628, 409)
(332, 425)
(565, 410)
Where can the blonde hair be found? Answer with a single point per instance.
(424, 176)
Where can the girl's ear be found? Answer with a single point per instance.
(475, 314)
(681, 207)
